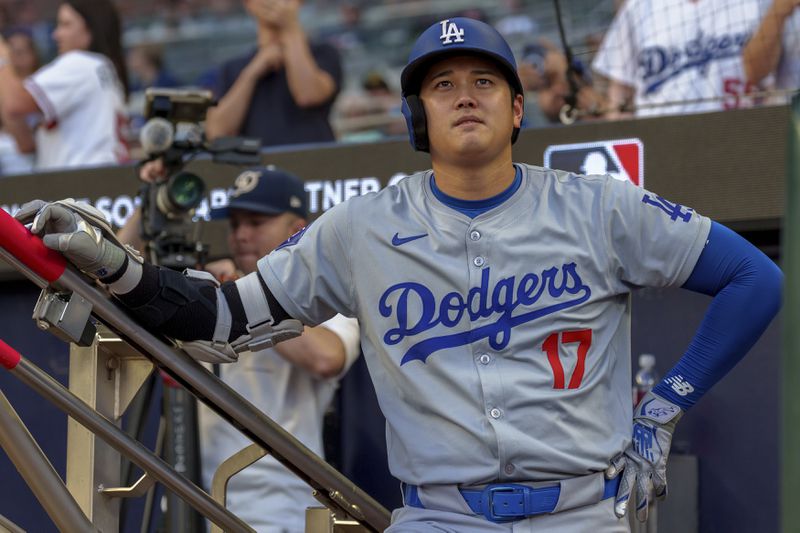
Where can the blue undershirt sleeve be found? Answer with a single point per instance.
(746, 286)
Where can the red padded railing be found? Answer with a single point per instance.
(29, 249)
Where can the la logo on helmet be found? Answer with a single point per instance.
(451, 33)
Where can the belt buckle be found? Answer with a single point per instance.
(488, 506)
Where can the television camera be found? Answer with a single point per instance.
(174, 133)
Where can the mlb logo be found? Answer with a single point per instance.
(623, 159)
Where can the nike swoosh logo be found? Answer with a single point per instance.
(397, 240)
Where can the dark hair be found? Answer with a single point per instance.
(102, 21)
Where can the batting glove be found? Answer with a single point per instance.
(64, 227)
(644, 463)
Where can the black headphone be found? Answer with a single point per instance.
(417, 123)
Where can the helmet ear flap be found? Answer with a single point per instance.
(416, 122)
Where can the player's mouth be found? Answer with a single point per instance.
(468, 120)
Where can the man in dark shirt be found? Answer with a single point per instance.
(283, 91)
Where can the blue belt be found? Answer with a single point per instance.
(507, 502)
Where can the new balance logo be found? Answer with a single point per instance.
(680, 385)
(451, 33)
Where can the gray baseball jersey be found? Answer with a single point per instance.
(499, 346)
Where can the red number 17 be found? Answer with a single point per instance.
(550, 346)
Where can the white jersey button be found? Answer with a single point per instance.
(475, 235)
(509, 469)
(479, 261)
(495, 413)
(485, 358)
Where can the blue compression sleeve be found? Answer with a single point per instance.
(746, 286)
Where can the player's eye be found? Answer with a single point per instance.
(443, 84)
(483, 82)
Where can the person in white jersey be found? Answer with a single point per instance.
(494, 304)
(775, 46)
(294, 382)
(80, 95)
(677, 56)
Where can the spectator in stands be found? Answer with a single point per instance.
(146, 68)
(16, 158)
(676, 56)
(80, 95)
(543, 71)
(348, 36)
(283, 91)
(775, 47)
(372, 112)
(516, 25)
(146, 65)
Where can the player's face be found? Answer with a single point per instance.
(469, 109)
(71, 32)
(254, 235)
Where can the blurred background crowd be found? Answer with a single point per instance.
(621, 59)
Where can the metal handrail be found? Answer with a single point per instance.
(38, 472)
(26, 252)
(65, 400)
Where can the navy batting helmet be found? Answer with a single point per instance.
(457, 35)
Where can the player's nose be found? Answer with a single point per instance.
(466, 100)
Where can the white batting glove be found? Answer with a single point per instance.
(63, 227)
(644, 463)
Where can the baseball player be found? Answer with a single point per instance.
(494, 305)
(678, 56)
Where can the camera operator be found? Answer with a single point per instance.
(292, 383)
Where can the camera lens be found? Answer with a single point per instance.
(180, 194)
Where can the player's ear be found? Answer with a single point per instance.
(518, 108)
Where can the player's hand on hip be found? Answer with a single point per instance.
(63, 226)
(644, 463)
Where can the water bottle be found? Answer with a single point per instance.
(645, 378)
